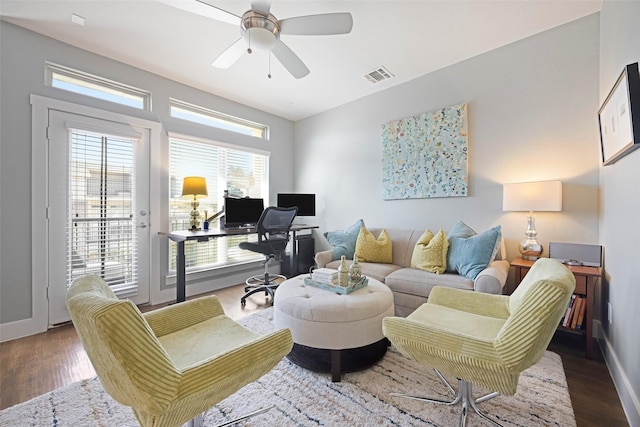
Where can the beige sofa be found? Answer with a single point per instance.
(411, 286)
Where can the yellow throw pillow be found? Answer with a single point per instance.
(370, 249)
(430, 252)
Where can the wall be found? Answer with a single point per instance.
(23, 56)
(620, 201)
(531, 109)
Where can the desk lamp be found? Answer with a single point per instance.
(532, 196)
(195, 186)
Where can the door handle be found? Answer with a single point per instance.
(142, 225)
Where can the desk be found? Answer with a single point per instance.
(182, 236)
(586, 279)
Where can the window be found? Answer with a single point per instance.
(101, 234)
(204, 116)
(240, 172)
(97, 87)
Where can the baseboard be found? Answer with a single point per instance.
(626, 393)
(21, 328)
(35, 325)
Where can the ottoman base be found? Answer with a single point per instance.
(338, 361)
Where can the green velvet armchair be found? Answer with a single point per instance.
(171, 364)
(484, 339)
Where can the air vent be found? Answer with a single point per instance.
(377, 75)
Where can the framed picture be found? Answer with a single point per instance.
(619, 117)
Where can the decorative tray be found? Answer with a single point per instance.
(337, 288)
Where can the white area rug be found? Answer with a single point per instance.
(304, 398)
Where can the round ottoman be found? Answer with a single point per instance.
(333, 332)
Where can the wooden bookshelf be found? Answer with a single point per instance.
(586, 280)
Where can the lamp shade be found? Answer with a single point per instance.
(532, 196)
(194, 186)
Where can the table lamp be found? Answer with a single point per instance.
(532, 196)
(195, 186)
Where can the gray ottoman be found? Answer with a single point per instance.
(333, 332)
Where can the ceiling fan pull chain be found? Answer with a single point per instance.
(249, 48)
(269, 75)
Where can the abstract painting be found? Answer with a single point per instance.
(425, 156)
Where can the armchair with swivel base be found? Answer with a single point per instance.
(484, 339)
(172, 364)
(273, 236)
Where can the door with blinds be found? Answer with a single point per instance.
(98, 215)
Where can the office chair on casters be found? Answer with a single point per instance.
(273, 236)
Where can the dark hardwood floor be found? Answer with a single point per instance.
(41, 363)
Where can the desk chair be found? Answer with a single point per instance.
(484, 339)
(171, 364)
(273, 236)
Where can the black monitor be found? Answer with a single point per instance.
(242, 212)
(306, 203)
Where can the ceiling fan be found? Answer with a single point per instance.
(261, 30)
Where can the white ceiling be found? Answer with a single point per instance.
(409, 38)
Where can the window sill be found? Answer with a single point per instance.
(216, 271)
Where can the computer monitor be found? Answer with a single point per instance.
(306, 203)
(242, 212)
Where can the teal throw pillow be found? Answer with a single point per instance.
(459, 229)
(469, 255)
(344, 242)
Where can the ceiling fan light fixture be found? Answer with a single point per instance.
(259, 31)
(259, 38)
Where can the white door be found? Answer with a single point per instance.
(98, 207)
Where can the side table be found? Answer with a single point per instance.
(586, 280)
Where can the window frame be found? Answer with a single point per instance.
(209, 117)
(98, 84)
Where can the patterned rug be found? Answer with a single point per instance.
(304, 398)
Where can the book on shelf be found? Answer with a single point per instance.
(567, 313)
(576, 313)
(583, 307)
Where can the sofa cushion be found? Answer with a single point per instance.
(430, 252)
(469, 255)
(344, 242)
(370, 249)
(419, 282)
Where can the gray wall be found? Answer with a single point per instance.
(620, 203)
(23, 55)
(531, 109)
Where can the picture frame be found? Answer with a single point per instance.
(619, 117)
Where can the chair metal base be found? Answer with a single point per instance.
(463, 395)
(263, 283)
(198, 421)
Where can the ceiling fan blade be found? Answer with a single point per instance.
(230, 55)
(318, 25)
(262, 6)
(290, 60)
(201, 7)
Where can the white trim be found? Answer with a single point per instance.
(40, 106)
(628, 397)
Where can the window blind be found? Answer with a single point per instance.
(101, 233)
(242, 173)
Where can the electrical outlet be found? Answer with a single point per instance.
(609, 313)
